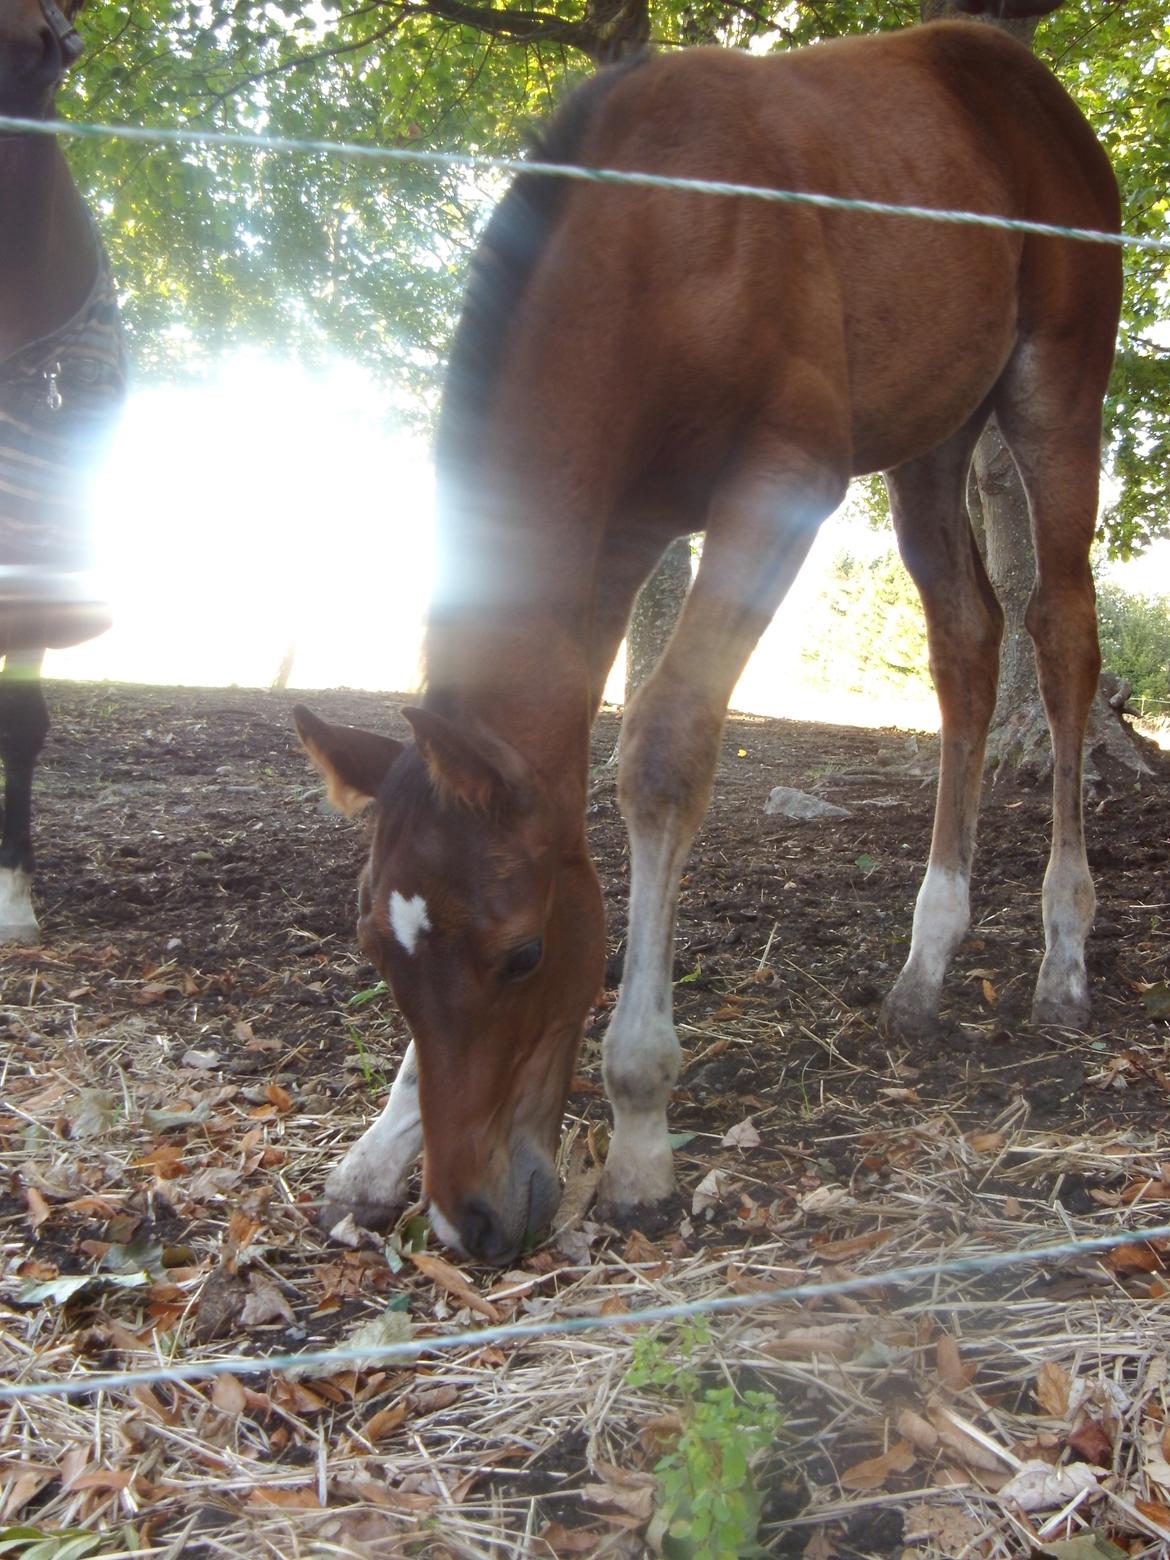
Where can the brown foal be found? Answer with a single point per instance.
(637, 364)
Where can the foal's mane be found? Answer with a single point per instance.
(504, 261)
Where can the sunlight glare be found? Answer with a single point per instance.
(266, 507)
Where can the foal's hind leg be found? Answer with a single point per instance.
(1059, 462)
(24, 724)
(964, 623)
(758, 532)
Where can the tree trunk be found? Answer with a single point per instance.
(656, 612)
(1019, 738)
(284, 670)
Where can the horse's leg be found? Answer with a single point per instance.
(24, 723)
(371, 1181)
(759, 528)
(964, 624)
(1049, 414)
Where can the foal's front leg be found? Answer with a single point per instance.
(371, 1181)
(24, 724)
(759, 530)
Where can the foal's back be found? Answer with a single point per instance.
(888, 329)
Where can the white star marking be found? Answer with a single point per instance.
(408, 919)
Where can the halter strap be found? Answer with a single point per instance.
(64, 31)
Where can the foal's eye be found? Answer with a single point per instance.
(523, 960)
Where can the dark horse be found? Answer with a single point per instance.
(62, 381)
(632, 365)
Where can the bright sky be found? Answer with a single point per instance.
(272, 506)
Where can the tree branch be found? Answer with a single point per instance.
(300, 60)
(521, 26)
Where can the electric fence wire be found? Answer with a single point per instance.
(481, 162)
(364, 1356)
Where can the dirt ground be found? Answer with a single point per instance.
(199, 958)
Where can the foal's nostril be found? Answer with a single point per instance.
(481, 1232)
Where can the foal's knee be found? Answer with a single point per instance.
(1063, 627)
(670, 744)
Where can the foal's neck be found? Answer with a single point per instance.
(47, 257)
(524, 679)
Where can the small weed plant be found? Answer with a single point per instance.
(709, 1506)
(373, 1076)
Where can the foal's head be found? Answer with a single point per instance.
(479, 906)
(38, 44)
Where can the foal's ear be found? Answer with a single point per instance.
(477, 769)
(353, 762)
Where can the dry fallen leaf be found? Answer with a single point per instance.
(265, 1303)
(952, 1372)
(456, 1285)
(1052, 1389)
(744, 1135)
(1155, 1461)
(38, 1207)
(1154, 1511)
(711, 1191)
(1133, 1258)
(638, 1503)
(920, 1432)
(569, 1541)
(304, 1498)
(952, 1530)
(874, 1471)
(1040, 1487)
(384, 1422)
(1090, 1442)
(228, 1395)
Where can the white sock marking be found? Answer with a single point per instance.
(18, 922)
(941, 917)
(408, 919)
(377, 1168)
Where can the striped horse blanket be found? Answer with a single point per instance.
(60, 398)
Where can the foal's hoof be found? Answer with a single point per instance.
(369, 1215)
(903, 1018)
(24, 935)
(1060, 1013)
(631, 1199)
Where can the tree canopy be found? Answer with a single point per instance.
(312, 253)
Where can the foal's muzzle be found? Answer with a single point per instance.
(494, 1230)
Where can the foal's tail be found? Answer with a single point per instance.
(1006, 10)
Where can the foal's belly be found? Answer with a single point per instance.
(908, 420)
(923, 361)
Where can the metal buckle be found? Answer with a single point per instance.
(54, 400)
(66, 34)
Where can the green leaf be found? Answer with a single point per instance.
(67, 1287)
